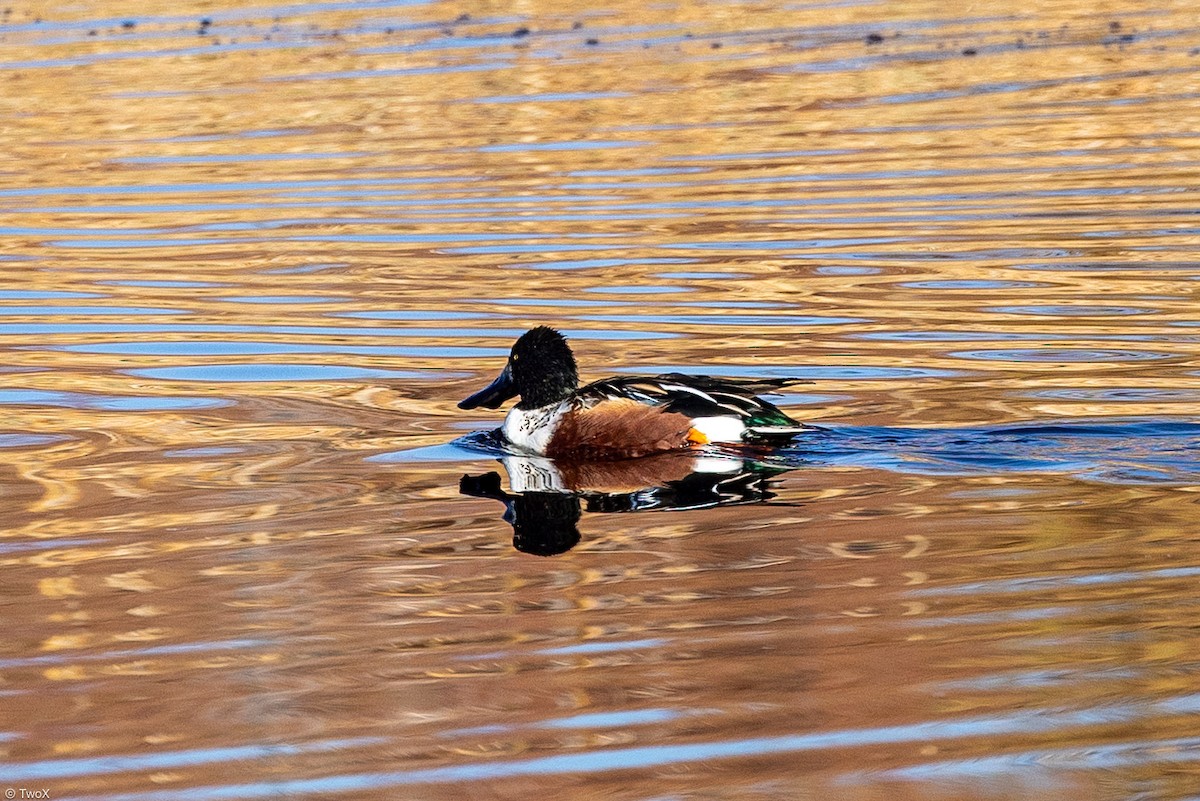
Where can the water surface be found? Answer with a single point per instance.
(252, 256)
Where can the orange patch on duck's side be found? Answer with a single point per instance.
(618, 429)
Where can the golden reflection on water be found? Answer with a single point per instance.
(253, 256)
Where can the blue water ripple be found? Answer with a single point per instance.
(1024, 723)
(282, 372)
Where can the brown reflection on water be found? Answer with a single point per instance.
(252, 256)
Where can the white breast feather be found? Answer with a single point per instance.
(531, 429)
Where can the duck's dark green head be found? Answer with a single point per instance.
(540, 368)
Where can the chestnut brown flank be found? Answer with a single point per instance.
(618, 429)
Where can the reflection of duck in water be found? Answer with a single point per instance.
(621, 418)
(547, 498)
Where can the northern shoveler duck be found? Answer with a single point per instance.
(622, 418)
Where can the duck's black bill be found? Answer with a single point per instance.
(493, 394)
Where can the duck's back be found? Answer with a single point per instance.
(723, 410)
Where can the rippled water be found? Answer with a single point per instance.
(252, 256)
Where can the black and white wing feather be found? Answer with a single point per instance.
(701, 396)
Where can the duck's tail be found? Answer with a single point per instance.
(777, 433)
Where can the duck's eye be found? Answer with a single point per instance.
(513, 358)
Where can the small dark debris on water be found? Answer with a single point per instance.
(576, 25)
(715, 45)
(93, 32)
(874, 38)
(462, 18)
(519, 32)
(591, 41)
(1114, 26)
(969, 51)
(129, 24)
